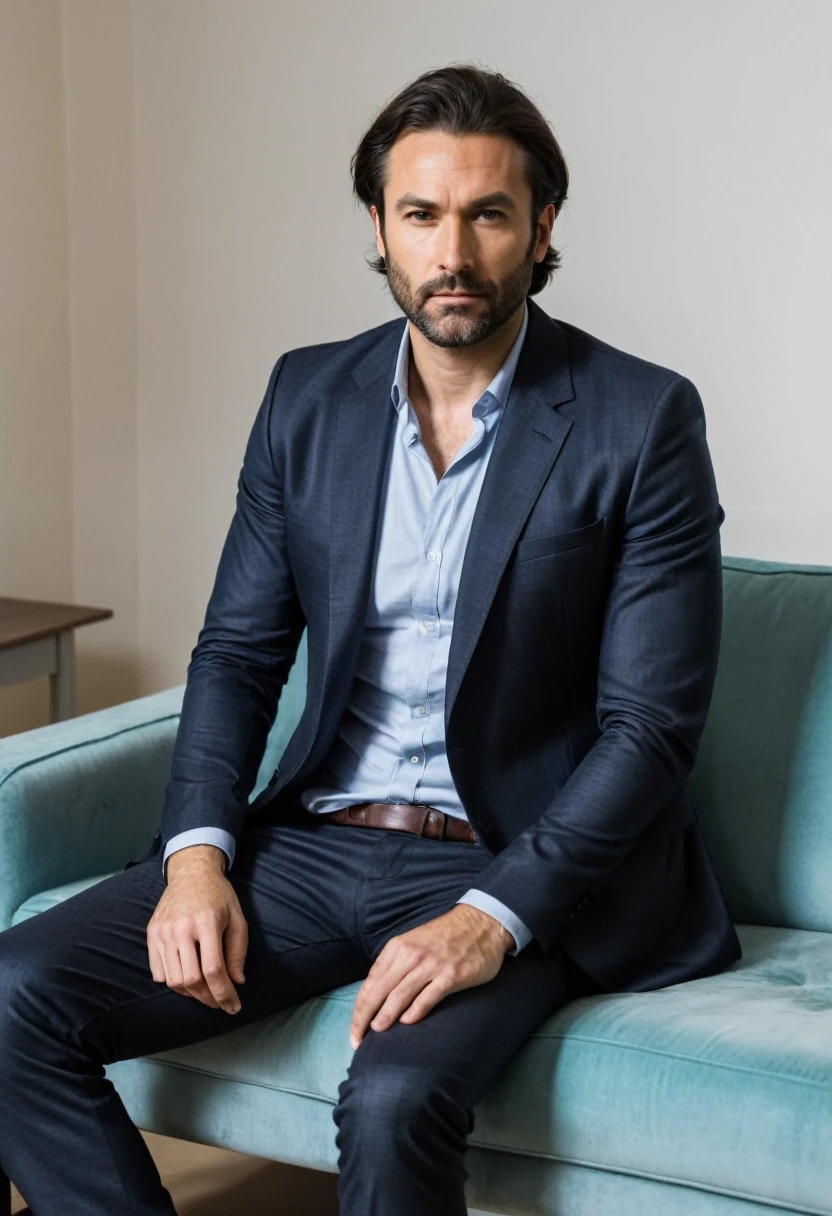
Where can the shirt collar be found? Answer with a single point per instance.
(497, 391)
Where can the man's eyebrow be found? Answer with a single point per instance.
(497, 197)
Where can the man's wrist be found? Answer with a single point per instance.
(506, 939)
(195, 858)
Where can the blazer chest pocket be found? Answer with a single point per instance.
(559, 542)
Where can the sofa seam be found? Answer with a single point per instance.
(675, 1055)
(819, 572)
(653, 1177)
(219, 1076)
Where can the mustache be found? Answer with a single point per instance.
(457, 284)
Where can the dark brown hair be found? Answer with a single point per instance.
(465, 100)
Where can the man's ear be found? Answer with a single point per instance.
(377, 225)
(545, 224)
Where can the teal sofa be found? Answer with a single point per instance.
(709, 1097)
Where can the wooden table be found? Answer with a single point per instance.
(37, 639)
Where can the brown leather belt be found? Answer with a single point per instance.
(404, 817)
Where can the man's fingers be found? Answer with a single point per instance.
(383, 961)
(213, 968)
(185, 936)
(177, 963)
(430, 995)
(236, 947)
(375, 992)
(363, 1014)
(154, 957)
(192, 973)
(173, 968)
(401, 998)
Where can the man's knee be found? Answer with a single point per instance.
(27, 984)
(396, 1102)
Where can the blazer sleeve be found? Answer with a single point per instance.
(244, 651)
(657, 666)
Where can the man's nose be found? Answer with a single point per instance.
(455, 252)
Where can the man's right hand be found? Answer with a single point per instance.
(185, 933)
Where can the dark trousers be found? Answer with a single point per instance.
(321, 899)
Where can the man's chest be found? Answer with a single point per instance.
(423, 525)
(443, 438)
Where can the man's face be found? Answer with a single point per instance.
(458, 220)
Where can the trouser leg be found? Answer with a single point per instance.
(76, 993)
(405, 1110)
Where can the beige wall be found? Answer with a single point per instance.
(68, 446)
(35, 418)
(103, 337)
(211, 228)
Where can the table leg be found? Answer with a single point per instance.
(62, 682)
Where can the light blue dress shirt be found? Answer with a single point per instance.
(390, 742)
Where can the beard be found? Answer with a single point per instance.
(462, 324)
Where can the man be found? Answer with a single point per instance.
(502, 536)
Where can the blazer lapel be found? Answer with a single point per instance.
(363, 432)
(528, 442)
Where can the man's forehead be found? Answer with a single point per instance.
(420, 163)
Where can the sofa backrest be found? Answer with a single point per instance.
(762, 782)
(289, 709)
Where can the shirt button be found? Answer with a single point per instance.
(431, 556)
(423, 628)
(414, 759)
(421, 709)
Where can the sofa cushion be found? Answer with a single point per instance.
(722, 1083)
(48, 899)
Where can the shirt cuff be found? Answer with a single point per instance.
(218, 836)
(521, 933)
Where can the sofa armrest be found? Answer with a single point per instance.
(83, 796)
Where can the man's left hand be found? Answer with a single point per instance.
(415, 970)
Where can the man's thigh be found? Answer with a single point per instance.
(82, 966)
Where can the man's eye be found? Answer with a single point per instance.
(488, 212)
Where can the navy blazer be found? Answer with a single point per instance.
(583, 652)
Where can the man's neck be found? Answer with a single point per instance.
(446, 379)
